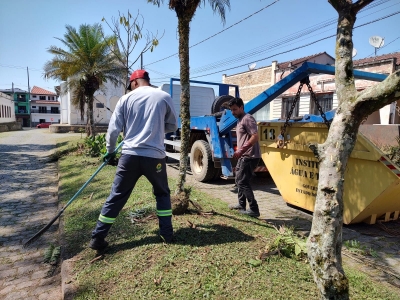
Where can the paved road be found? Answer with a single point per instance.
(28, 200)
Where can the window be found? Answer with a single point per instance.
(33, 106)
(22, 110)
(34, 96)
(22, 98)
(287, 105)
(42, 97)
(54, 110)
(51, 97)
(326, 102)
(42, 109)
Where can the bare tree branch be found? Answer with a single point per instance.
(379, 95)
(338, 5)
(128, 32)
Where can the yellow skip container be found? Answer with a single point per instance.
(372, 181)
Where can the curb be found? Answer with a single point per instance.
(68, 289)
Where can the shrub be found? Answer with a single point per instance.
(95, 146)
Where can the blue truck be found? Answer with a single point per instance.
(212, 138)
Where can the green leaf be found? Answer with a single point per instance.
(277, 240)
(297, 250)
(254, 262)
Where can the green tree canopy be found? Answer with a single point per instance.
(85, 64)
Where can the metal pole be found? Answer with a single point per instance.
(141, 61)
(29, 99)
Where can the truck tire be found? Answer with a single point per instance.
(201, 163)
(216, 106)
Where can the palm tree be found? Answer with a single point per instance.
(85, 65)
(185, 10)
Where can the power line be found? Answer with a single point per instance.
(303, 46)
(282, 42)
(206, 39)
(284, 39)
(270, 46)
(18, 67)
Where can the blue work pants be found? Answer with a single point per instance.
(130, 169)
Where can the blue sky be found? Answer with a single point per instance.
(28, 28)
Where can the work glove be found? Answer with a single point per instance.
(238, 153)
(109, 156)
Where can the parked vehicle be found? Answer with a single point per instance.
(288, 158)
(43, 125)
(212, 139)
(203, 98)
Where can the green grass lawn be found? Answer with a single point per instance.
(213, 257)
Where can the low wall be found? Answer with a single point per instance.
(64, 128)
(381, 135)
(12, 126)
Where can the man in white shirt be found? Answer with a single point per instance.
(145, 114)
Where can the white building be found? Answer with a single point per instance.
(104, 104)
(45, 107)
(7, 111)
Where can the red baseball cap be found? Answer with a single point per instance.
(138, 74)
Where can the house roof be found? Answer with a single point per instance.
(299, 61)
(39, 91)
(368, 60)
(45, 102)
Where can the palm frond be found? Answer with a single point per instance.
(220, 6)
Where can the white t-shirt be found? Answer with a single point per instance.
(145, 115)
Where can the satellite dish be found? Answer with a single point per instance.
(376, 41)
(354, 52)
(252, 66)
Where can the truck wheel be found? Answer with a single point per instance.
(200, 161)
(216, 106)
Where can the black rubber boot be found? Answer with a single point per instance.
(98, 244)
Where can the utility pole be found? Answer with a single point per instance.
(141, 61)
(29, 99)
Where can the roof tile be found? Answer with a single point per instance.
(39, 91)
(298, 61)
(395, 56)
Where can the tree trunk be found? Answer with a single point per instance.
(184, 30)
(325, 240)
(90, 130)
